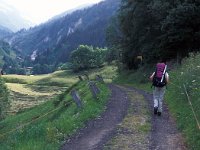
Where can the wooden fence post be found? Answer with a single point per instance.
(94, 89)
(87, 77)
(76, 98)
(99, 78)
(80, 78)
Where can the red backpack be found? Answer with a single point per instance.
(159, 76)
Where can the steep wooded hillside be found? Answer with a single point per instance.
(54, 40)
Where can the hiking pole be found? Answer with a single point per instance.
(164, 73)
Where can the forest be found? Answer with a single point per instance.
(155, 29)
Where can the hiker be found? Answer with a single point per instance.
(159, 79)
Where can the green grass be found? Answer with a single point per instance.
(58, 78)
(109, 73)
(50, 131)
(138, 79)
(188, 75)
(175, 97)
(45, 126)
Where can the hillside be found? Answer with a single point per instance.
(57, 38)
(7, 56)
(57, 116)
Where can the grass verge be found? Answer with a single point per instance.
(188, 75)
(45, 126)
(175, 97)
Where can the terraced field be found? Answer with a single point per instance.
(29, 91)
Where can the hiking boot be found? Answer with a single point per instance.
(159, 113)
(155, 110)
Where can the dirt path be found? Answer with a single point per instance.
(97, 132)
(122, 127)
(164, 134)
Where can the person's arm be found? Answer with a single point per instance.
(151, 77)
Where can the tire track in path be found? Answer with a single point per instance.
(98, 132)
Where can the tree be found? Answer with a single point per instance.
(113, 39)
(86, 57)
(158, 29)
(82, 58)
(181, 30)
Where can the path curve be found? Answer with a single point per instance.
(164, 134)
(97, 132)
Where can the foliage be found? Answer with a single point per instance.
(4, 99)
(86, 57)
(113, 39)
(8, 61)
(158, 29)
(42, 69)
(181, 31)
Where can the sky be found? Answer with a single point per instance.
(38, 11)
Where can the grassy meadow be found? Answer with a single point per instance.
(45, 114)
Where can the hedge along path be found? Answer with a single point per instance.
(190, 103)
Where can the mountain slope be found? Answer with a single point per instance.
(7, 56)
(57, 38)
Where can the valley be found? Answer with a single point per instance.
(81, 80)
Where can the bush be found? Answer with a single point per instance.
(86, 57)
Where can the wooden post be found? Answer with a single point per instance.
(94, 89)
(76, 98)
(80, 78)
(87, 77)
(99, 78)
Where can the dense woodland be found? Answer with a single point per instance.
(155, 29)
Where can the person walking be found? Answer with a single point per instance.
(160, 79)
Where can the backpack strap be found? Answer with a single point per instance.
(163, 75)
